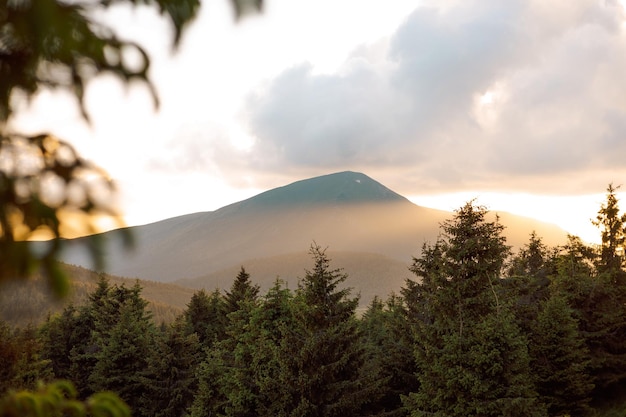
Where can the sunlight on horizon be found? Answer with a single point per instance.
(571, 213)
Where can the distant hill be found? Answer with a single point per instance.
(369, 274)
(30, 301)
(348, 212)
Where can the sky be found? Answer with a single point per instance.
(519, 104)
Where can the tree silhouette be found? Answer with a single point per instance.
(612, 225)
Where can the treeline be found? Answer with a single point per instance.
(477, 332)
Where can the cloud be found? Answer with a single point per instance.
(473, 93)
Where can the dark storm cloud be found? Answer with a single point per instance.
(556, 104)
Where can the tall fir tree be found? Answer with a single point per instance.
(205, 315)
(170, 377)
(321, 357)
(125, 347)
(599, 301)
(612, 225)
(472, 357)
(270, 321)
(242, 290)
(226, 380)
(84, 345)
(57, 335)
(528, 279)
(560, 360)
(389, 346)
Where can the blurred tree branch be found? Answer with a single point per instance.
(46, 188)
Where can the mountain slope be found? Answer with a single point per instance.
(347, 211)
(369, 274)
(29, 302)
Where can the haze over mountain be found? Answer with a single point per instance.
(346, 212)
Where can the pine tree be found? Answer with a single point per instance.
(124, 347)
(238, 352)
(321, 356)
(242, 290)
(594, 286)
(528, 280)
(560, 360)
(270, 321)
(389, 346)
(57, 341)
(226, 379)
(613, 229)
(170, 377)
(533, 260)
(206, 316)
(472, 357)
(83, 343)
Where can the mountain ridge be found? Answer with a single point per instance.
(346, 211)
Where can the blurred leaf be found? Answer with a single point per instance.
(30, 207)
(58, 44)
(59, 398)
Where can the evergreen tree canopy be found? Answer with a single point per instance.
(613, 232)
(321, 356)
(389, 347)
(206, 316)
(241, 291)
(170, 377)
(471, 357)
(560, 360)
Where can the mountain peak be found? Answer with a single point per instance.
(339, 188)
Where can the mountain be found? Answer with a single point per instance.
(346, 212)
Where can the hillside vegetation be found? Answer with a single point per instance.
(29, 302)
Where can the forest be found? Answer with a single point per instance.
(477, 331)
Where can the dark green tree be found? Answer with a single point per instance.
(270, 321)
(321, 357)
(239, 352)
(528, 279)
(612, 225)
(242, 290)
(205, 315)
(124, 347)
(58, 339)
(560, 360)
(389, 346)
(170, 377)
(593, 286)
(83, 344)
(533, 260)
(472, 357)
(226, 375)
